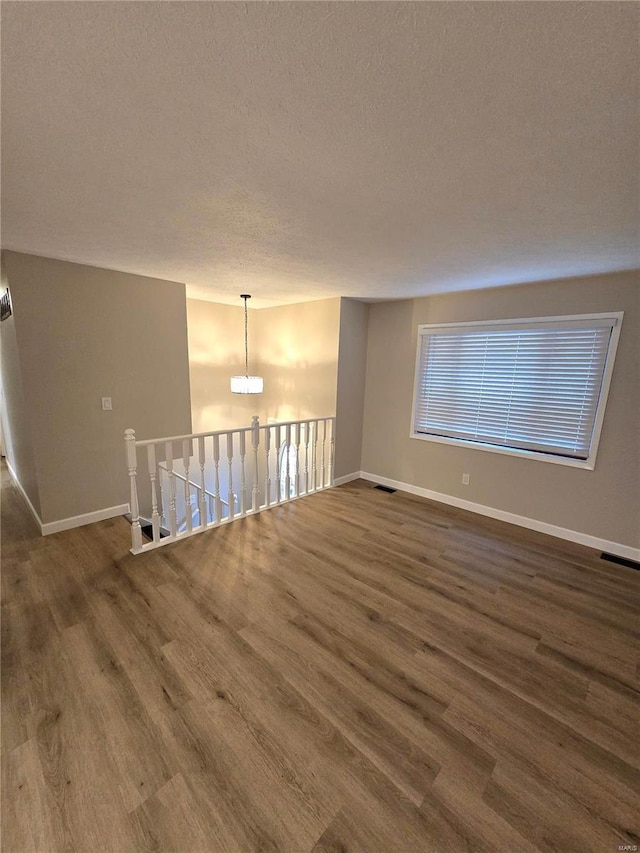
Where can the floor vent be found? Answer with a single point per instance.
(386, 489)
(147, 531)
(622, 561)
(147, 528)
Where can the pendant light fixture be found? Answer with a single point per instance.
(246, 384)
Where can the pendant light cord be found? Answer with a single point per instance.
(246, 296)
(246, 339)
(246, 384)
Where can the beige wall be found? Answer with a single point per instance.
(352, 365)
(85, 333)
(298, 357)
(16, 427)
(293, 347)
(216, 352)
(604, 503)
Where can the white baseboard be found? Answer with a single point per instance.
(67, 523)
(85, 518)
(15, 479)
(596, 542)
(340, 481)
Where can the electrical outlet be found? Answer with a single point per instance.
(465, 479)
(106, 404)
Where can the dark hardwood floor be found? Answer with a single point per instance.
(355, 671)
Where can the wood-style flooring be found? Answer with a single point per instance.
(354, 671)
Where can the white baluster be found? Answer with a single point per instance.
(232, 507)
(267, 479)
(278, 451)
(306, 457)
(173, 520)
(296, 433)
(243, 478)
(333, 451)
(202, 496)
(153, 475)
(132, 465)
(162, 496)
(186, 461)
(314, 455)
(216, 462)
(322, 462)
(286, 450)
(255, 443)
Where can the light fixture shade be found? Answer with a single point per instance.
(247, 384)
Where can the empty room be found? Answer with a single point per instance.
(320, 426)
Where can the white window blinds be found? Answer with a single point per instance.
(530, 385)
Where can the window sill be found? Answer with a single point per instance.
(588, 464)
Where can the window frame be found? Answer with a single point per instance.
(540, 456)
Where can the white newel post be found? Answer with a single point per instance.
(132, 465)
(255, 443)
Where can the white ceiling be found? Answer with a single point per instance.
(303, 150)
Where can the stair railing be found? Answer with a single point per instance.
(206, 508)
(271, 464)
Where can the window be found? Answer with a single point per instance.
(534, 387)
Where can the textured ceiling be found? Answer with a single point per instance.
(304, 150)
